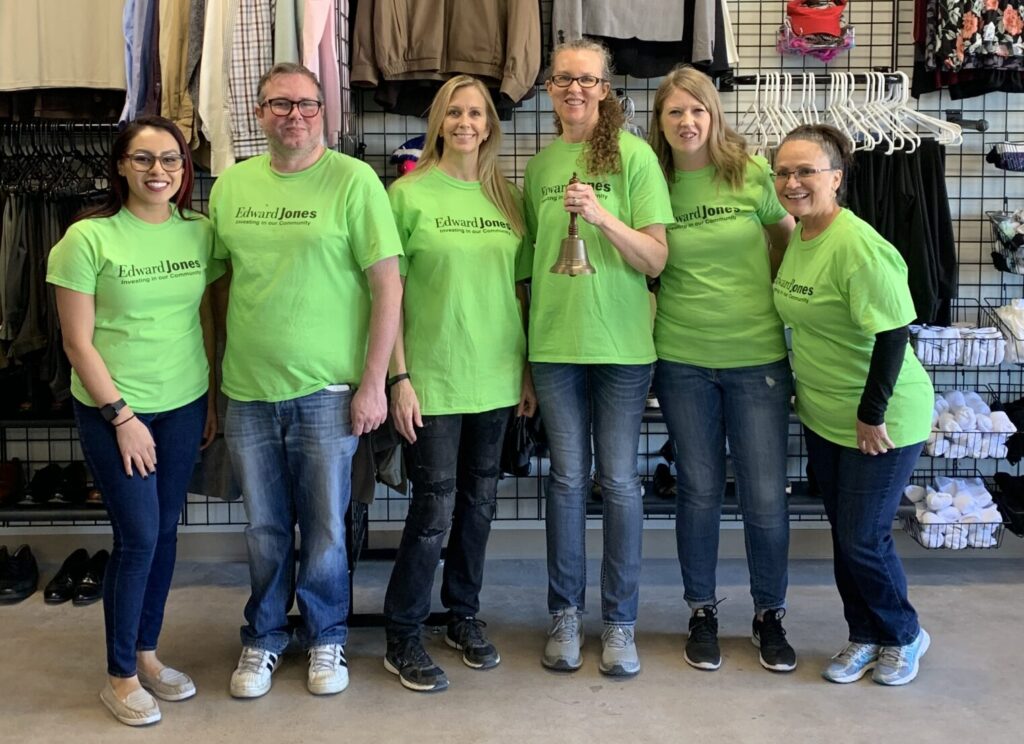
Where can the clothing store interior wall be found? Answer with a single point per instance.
(884, 40)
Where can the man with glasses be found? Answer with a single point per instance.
(312, 318)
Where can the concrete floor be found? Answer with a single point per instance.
(970, 687)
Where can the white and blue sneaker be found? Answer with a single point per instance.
(852, 663)
(898, 665)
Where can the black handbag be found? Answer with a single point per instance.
(521, 438)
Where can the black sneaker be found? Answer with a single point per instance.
(769, 636)
(702, 650)
(467, 635)
(407, 658)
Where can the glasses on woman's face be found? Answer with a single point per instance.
(585, 81)
(802, 174)
(143, 161)
(307, 107)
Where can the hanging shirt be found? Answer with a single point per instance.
(147, 281)
(603, 318)
(715, 304)
(836, 291)
(252, 54)
(464, 339)
(299, 245)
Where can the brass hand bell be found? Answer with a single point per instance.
(572, 257)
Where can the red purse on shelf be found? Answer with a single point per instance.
(807, 17)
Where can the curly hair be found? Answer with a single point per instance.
(601, 154)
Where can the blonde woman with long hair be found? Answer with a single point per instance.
(458, 372)
(723, 371)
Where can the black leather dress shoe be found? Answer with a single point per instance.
(19, 576)
(90, 588)
(62, 586)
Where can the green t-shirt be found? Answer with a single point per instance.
(604, 318)
(299, 244)
(715, 303)
(836, 292)
(147, 281)
(464, 340)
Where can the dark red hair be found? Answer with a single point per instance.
(117, 194)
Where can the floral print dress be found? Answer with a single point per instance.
(975, 34)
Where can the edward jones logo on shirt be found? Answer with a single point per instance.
(166, 269)
(792, 290)
(551, 193)
(274, 216)
(704, 214)
(472, 224)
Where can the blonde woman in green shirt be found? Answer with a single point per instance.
(723, 370)
(458, 372)
(863, 397)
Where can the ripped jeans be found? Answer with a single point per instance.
(749, 407)
(454, 468)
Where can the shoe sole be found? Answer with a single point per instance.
(56, 600)
(15, 598)
(251, 692)
(412, 685)
(561, 664)
(176, 697)
(485, 665)
(85, 602)
(617, 671)
(706, 666)
(332, 689)
(765, 664)
(850, 677)
(926, 642)
(155, 718)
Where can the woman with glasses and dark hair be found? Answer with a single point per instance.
(863, 397)
(131, 279)
(590, 344)
(723, 369)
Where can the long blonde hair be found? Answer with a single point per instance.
(727, 150)
(602, 151)
(495, 186)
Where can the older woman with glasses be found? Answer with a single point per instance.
(864, 399)
(131, 279)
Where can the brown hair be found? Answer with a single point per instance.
(833, 143)
(495, 186)
(288, 68)
(727, 150)
(602, 152)
(117, 193)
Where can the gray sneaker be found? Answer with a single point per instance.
(898, 665)
(852, 663)
(565, 639)
(618, 652)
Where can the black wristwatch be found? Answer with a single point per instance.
(109, 412)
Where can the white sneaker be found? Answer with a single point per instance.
(251, 679)
(328, 670)
(618, 651)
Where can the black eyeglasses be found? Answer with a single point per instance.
(802, 174)
(307, 107)
(585, 81)
(144, 161)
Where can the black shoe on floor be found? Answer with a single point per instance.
(702, 651)
(407, 658)
(467, 635)
(90, 588)
(62, 586)
(769, 636)
(19, 576)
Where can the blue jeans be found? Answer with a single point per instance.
(454, 468)
(861, 494)
(611, 398)
(293, 460)
(749, 406)
(144, 514)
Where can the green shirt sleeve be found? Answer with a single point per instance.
(878, 292)
(530, 219)
(648, 190)
(371, 222)
(397, 198)
(220, 249)
(72, 262)
(770, 210)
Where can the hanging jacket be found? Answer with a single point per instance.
(410, 40)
